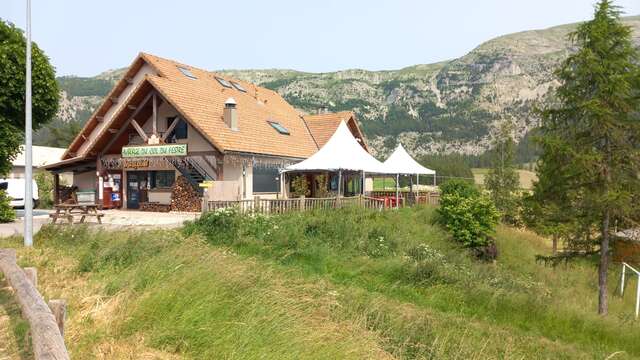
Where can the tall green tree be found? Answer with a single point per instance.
(503, 181)
(12, 91)
(591, 136)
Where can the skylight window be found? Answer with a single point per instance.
(186, 72)
(224, 82)
(238, 86)
(279, 128)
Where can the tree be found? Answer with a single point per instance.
(591, 135)
(12, 91)
(503, 181)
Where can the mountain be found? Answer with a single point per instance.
(447, 107)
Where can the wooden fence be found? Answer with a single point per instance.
(281, 206)
(408, 198)
(46, 322)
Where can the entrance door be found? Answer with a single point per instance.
(136, 188)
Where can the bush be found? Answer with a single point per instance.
(221, 226)
(6, 211)
(470, 217)
(299, 186)
(45, 189)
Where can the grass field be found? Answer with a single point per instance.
(526, 177)
(346, 284)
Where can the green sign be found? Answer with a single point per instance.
(154, 150)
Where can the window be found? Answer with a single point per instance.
(238, 86)
(279, 128)
(186, 72)
(266, 180)
(162, 179)
(224, 82)
(179, 132)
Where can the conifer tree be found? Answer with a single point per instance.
(502, 180)
(591, 135)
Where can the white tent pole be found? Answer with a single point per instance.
(397, 190)
(364, 179)
(418, 184)
(434, 179)
(339, 181)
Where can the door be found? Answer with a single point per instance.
(136, 188)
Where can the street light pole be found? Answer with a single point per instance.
(28, 167)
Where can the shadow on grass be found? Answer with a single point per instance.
(15, 329)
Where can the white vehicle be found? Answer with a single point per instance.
(15, 190)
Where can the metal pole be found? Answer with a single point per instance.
(638, 298)
(624, 268)
(28, 168)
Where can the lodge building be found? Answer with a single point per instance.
(165, 119)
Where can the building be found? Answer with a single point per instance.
(164, 119)
(41, 156)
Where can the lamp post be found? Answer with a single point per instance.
(28, 167)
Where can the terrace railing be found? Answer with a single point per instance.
(281, 206)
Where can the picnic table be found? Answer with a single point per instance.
(69, 211)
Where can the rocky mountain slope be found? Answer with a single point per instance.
(452, 106)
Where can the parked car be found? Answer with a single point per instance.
(15, 190)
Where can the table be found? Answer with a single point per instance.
(68, 211)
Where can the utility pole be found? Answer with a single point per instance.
(28, 167)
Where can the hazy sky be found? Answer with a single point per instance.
(86, 37)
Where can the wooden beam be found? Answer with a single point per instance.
(139, 130)
(114, 99)
(155, 116)
(47, 342)
(112, 130)
(56, 189)
(99, 118)
(83, 136)
(131, 107)
(128, 80)
(170, 128)
(126, 123)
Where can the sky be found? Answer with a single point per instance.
(87, 37)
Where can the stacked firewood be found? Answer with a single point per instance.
(184, 196)
(155, 207)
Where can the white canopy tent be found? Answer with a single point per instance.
(400, 162)
(341, 152)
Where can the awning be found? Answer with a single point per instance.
(341, 152)
(400, 162)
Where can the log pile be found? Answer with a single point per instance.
(184, 196)
(154, 207)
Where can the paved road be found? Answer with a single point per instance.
(17, 227)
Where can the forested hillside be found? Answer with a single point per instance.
(447, 107)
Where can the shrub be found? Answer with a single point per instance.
(219, 226)
(378, 244)
(299, 186)
(45, 189)
(471, 220)
(459, 187)
(6, 211)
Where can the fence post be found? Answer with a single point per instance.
(59, 309)
(624, 268)
(256, 204)
(32, 275)
(302, 203)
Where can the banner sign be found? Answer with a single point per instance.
(154, 150)
(136, 163)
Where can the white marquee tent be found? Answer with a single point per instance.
(341, 152)
(401, 163)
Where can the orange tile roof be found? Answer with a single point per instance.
(201, 102)
(322, 126)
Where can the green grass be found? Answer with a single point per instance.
(323, 285)
(526, 177)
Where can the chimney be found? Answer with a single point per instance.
(230, 114)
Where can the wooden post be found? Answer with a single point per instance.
(256, 204)
(32, 276)
(155, 116)
(302, 203)
(56, 189)
(46, 340)
(59, 309)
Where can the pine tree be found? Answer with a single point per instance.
(502, 180)
(591, 136)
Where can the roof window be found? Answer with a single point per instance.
(238, 86)
(186, 72)
(279, 128)
(224, 82)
